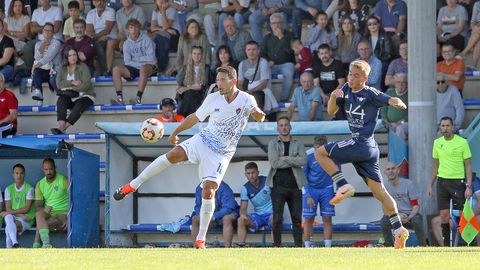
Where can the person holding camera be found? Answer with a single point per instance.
(75, 90)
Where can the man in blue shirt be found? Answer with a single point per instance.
(307, 99)
(225, 214)
(318, 191)
(258, 193)
(393, 15)
(361, 104)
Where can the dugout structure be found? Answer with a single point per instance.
(81, 168)
(170, 194)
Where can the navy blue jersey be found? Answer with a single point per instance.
(361, 109)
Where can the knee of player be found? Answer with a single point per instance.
(177, 154)
(209, 188)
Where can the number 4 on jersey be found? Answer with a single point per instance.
(356, 111)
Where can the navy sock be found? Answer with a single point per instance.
(395, 221)
(339, 178)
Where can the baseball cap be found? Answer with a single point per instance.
(167, 101)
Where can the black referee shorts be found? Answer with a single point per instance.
(450, 189)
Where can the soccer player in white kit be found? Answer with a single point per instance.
(211, 148)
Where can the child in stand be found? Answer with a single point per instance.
(74, 13)
(321, 33)
(303, 56)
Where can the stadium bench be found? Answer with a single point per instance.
(57, 239)
(71, 137)
(263, 233)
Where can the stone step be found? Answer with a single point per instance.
(155, 91)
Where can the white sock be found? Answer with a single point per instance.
(328, 242)
(308, 244)
(158, 165)
(11, 229)
(8, 242)
(206, 213)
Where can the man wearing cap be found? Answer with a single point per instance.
(168, 114)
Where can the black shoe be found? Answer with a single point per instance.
(56, 131)
(123, 191)
(16, 245)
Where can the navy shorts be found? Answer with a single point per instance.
(364, 155)
(134, 73)
(259, 221)
(322, 197)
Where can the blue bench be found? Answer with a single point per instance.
(78, 136)
(344, 227)
(94, 108)
(150, 228)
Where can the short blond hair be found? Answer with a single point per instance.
(362, 65)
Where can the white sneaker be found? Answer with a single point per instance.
(117, 101)
(37, 95)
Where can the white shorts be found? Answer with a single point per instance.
(211, 165)
(25, 225)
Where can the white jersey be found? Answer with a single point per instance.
(227, 121)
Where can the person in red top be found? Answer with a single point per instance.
(303, 56)
(8, 110)
(168, 114)
(451, 69)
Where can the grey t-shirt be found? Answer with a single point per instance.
(450, 19)
(135, 13)
(450, 103)
(403, 194)
(246, 71)
(303, 101)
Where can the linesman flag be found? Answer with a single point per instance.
(469, 226)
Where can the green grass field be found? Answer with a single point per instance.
(433, 258)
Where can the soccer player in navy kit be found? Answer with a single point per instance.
(361, 104)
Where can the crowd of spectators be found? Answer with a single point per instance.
(34, 34)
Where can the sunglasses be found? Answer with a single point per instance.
(440, 82)
(370, 24)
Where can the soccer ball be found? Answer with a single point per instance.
(152, 130)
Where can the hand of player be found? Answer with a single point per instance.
(173, 139)
(310, 202)
(337, 93)
(430, 191)
(397, 103)
(258, 115)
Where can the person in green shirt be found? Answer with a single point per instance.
(20, 211)
(395, 119)
(451, 163)
(51, 201)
